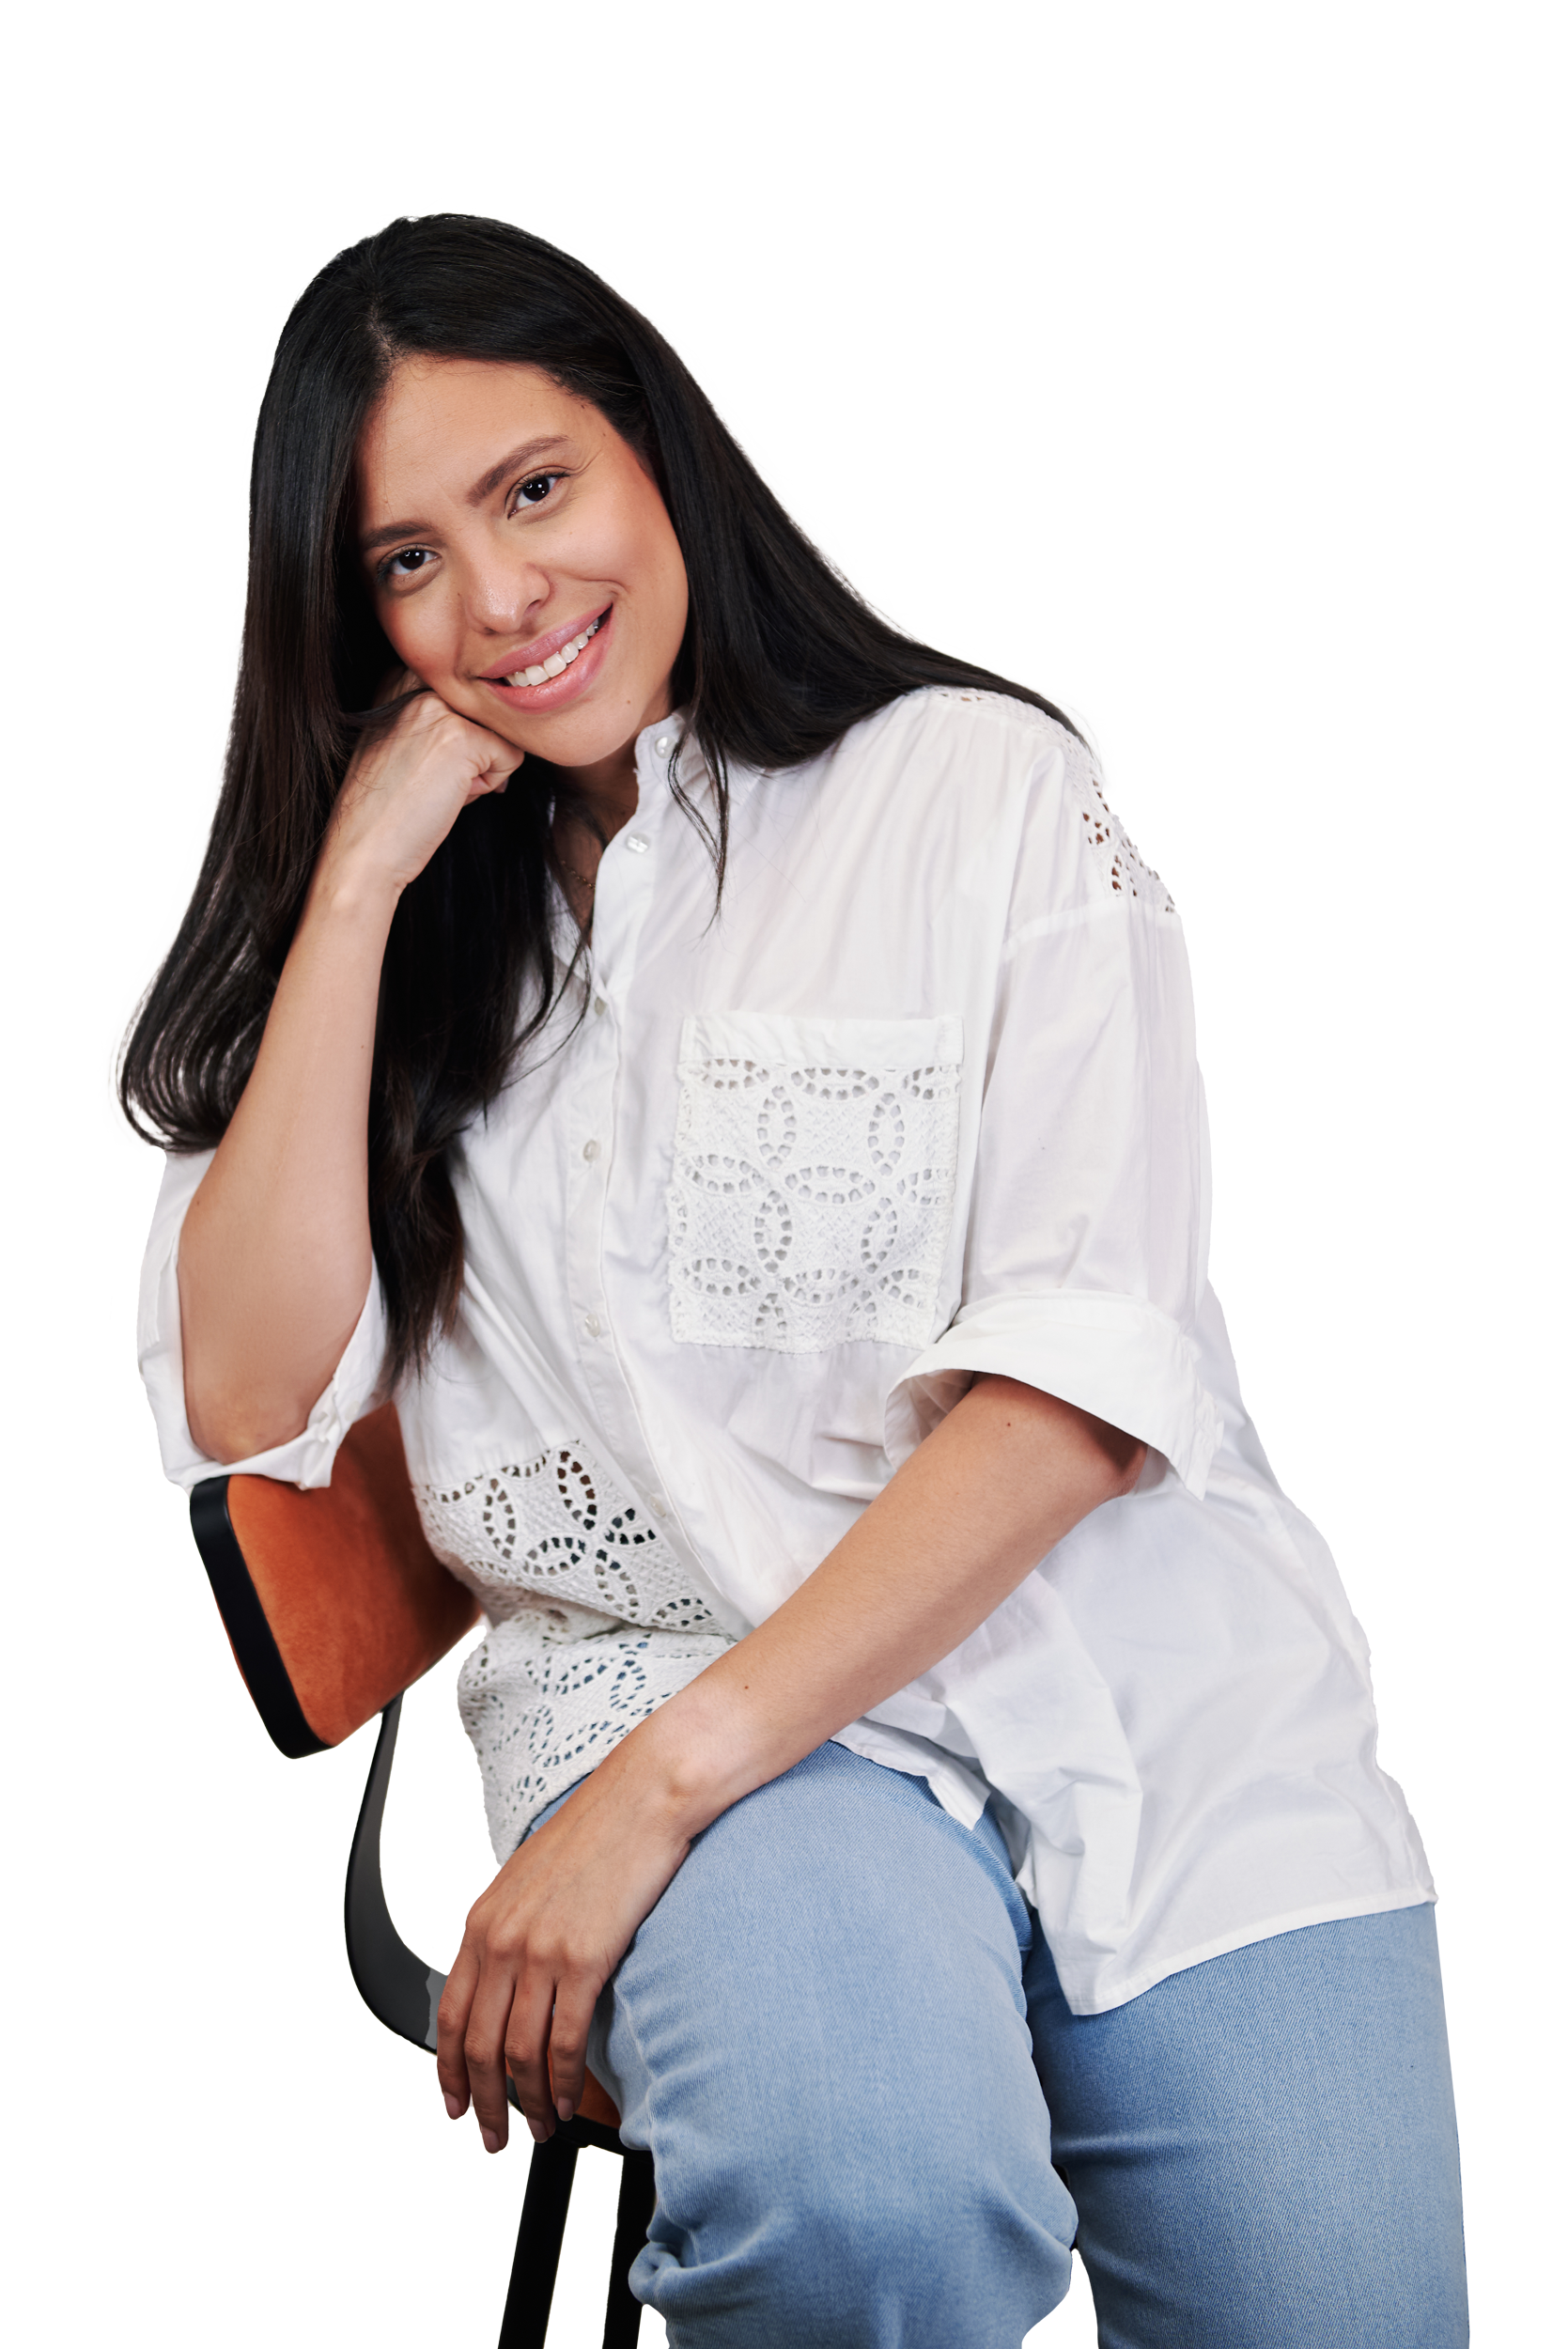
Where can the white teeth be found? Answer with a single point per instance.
(557, 662)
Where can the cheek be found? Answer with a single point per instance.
(419, 634)
(647, 554)
(674, 598)
(662, 574)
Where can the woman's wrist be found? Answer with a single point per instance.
(702, 1752)
(349, 891)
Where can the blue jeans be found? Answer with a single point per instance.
(833, 2033)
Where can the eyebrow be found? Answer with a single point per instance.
(527, 453)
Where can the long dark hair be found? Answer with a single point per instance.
(780, 658)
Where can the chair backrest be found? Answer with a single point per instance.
(334, 1601)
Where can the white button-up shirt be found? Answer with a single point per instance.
(921, 1102)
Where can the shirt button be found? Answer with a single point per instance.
(590, 1323)
(598, 1007)
(590, 1151)
(657, 1506)
(636, 844)
(661, 747)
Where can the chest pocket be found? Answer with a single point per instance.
(812, 1190)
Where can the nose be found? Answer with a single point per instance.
(501, 591)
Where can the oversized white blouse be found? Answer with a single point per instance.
(921, 1101)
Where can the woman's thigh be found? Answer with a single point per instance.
(820, 2034)
(1261, 2148)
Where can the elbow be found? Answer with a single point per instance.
(1118, 1459)
(236, 1427)
(1099, 1461)
(1126, 1463)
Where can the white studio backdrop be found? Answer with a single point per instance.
(1202, 366)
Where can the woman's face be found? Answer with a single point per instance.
(519, 558)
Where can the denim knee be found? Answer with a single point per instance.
(820, 2034)
(905, 2230)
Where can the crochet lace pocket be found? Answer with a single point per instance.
(812, 1190)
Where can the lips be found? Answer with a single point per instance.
(548, 656)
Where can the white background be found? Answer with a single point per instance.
(1202, 366)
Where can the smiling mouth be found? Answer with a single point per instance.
(561, 660)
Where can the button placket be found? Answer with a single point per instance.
(588, 1127)
(622, 888)
(623, 892)
(623, 895)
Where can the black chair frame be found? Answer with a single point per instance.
(402, 1992)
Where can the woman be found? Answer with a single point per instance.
(723, 1066)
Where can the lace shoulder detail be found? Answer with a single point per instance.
(1122, 872)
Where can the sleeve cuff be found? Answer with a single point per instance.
(1117, 1356)
(307, 1459)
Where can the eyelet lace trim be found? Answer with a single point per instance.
(548, 1693)
(594, 1622)
(809, 1205)
(562, 1524)
(1122, 872)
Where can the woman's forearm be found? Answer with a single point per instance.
(274, 1256)
(1004, 1477)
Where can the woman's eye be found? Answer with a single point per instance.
(405, 563)
(537, 486)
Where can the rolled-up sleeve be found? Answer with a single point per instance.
(1085, 1251)
(307, 1459)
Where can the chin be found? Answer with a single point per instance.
(584, 737)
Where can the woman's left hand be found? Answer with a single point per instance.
(542, 1942)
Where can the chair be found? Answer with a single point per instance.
(335, 1604)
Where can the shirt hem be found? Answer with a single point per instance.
(1292, 1921)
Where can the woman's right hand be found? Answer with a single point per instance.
(407, 784)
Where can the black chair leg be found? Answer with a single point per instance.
(622, 2314)
(539, 2236)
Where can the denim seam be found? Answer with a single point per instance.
(1458, 2157)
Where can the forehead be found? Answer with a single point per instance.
(441, 422)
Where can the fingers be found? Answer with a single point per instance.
(451, 2024)
(498, 2019)
(491, 760)
(491, 2023)
(527, 2054)
(499, 768)
(568, 2045)
(539, 1946)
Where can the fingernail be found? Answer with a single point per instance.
(537, 2131)
(563, 2105)
(454, 2106)
(492, 2143)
